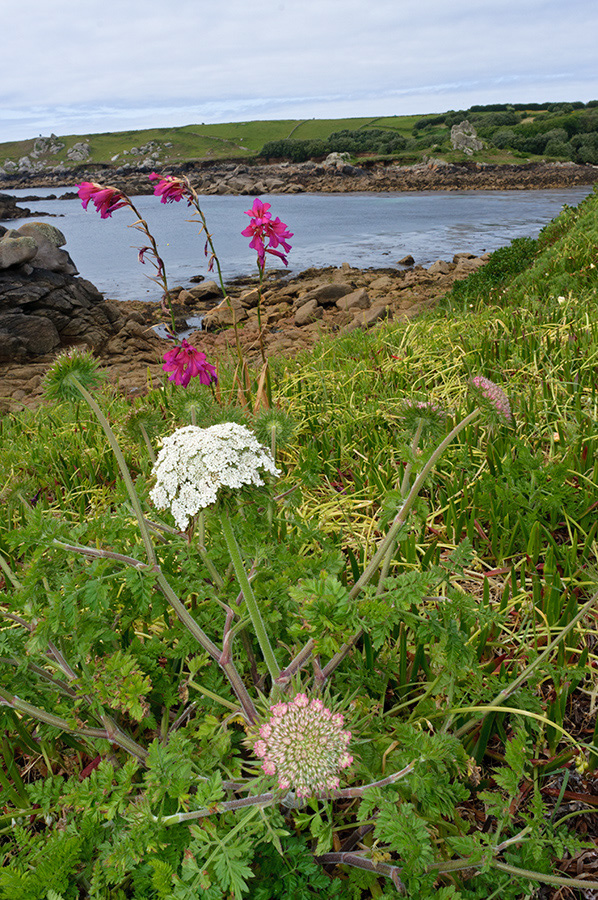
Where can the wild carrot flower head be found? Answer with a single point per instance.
(491, 394)
(423, 413)
(59, 383)
(171, 189)
(194, 464)
(105, 199)
(266, 234)
(305, 745)
(186, 362)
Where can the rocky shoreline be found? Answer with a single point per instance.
(45, 308)
(334, 175)
(295, 313)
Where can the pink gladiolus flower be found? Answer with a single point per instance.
(185, 363)
(171, 189)
(105, 199)
(266, 234)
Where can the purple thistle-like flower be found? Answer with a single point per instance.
(186, 362)
(493, 395)
(303, 743)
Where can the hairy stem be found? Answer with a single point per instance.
(250, 600)
(124, 469)
(401, 516)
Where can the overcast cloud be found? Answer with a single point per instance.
(83, 66)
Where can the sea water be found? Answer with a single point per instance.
(363, 229)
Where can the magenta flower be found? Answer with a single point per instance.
(105, 199)
(266, 235)
(303, 743)
(495, 396)
(171, 189)
(186, 362)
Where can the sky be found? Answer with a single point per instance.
(88, 66)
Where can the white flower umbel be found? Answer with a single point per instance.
(192, 466)
(194, 463)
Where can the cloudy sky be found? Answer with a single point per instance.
(84, 66)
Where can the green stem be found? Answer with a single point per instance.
(358, 861)
(259, 311)
(214, 257)
(226, 806)
(409, 466)
(401, 516)
(227, 666)
(158, 262)
(9, 574)
(250, 600)
(390, 779)
(524, 676)
(111, 733)
(148, 443)
(124, 469)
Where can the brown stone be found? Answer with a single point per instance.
(358, 299)
(308, 312)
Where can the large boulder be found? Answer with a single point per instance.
(42, 305)
(464, 137)
(49, 240)
(9, 208)
(16, 249)
(41, 311)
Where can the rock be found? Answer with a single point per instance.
(223, 315)
(464, 137)
(48, 240)
(16, 249)
(250, 299)
(10, 210)
(308, 313)
(326, 294)
(79, 151)
(384, 283)
(34, 335)
(42, 310)
(207, 290)
(440, 267)
(46, 145)
(336, 160)
(367, 318)
(466, 266)
(463, 255)
(406, 261)
(358, 299)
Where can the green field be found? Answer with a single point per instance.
(512, 134)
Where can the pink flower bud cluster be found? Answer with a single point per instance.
(303, 743)
(426, 407)
(494, 395)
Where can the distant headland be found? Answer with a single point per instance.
(497, 146)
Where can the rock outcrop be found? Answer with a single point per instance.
(43, 305)
(464, 137)
(295, 312)
(10, 210)
(258, 177)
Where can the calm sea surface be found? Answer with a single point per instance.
(365, 230)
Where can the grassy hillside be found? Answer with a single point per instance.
(510, 134)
